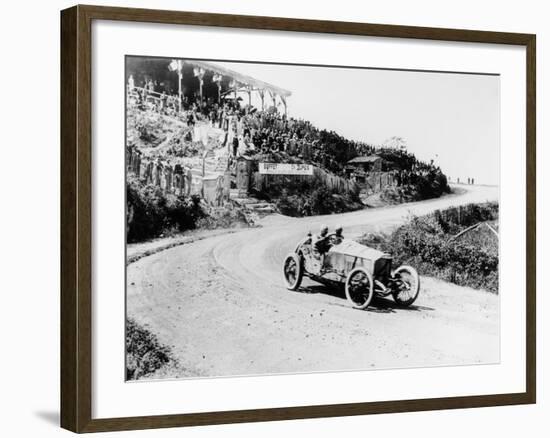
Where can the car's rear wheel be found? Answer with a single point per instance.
(406, 285)
(359, 288)
(292, 271)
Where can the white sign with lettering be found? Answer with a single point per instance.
(285, 169)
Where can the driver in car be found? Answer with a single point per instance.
(321, 242)
(337, 237)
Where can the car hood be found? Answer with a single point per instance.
(354, 249)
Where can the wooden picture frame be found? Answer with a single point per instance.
(76, 218)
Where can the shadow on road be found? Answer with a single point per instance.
(378, 304)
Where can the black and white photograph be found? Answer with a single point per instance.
(287, 218)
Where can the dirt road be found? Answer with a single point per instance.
(219, 303)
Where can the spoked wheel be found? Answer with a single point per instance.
(359, 288)
(292, 271)
(407, 285)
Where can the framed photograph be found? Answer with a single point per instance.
(269, 218)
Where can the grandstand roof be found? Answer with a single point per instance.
(239, 77)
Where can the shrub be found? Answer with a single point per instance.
(228, 216)
(144, 353)
(151, 212)
(426, 243)
(295, 197)
(417, 186)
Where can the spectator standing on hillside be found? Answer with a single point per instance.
(213, 116)
(178, 179)
(188, 181)
(190, 119)
(168, 177)
(235, 145)
(157, 172)
(219, 191)
(145, 91)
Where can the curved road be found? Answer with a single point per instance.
(220, 305)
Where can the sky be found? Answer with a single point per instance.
(451, 118)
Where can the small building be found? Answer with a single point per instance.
(369, 163)
(359, 168)
(366, 164)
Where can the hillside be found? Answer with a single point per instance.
(174, 155)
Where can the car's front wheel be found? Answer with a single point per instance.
(406, 285)
(359, 288)
(292, 271)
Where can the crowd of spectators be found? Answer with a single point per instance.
(249, 131)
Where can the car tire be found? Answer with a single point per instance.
(360, 296)
(293, 271)
(409, 276)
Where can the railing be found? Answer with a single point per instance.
(155, 95)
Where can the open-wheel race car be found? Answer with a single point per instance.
(365, 271)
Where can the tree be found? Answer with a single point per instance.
(395, 143)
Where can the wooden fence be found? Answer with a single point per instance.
(177, 180)
(374, 182)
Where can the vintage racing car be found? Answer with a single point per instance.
(366, 272)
